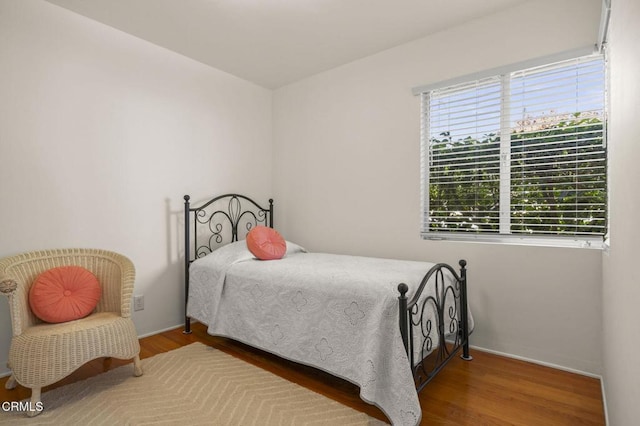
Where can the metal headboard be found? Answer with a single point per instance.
(217, 222)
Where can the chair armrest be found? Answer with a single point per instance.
(18, 304)
(8, 285)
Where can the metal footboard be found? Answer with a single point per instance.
(435, 324)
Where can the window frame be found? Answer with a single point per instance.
(580, 241)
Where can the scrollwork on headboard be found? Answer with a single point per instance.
(222, 220)
(217, 222)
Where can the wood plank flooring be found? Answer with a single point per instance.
(490, 390)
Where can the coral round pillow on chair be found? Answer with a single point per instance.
(64, 294)
(266, 243)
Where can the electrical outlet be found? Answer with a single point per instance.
(138, 303)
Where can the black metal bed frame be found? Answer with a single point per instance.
(436, 325)
(235, 215)
(441, 334)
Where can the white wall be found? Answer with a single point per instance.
(347, 179)
(621, 288)
(101, 134)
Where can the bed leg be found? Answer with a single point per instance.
(464, 311)
(465, 353)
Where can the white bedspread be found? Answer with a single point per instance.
(334, 312)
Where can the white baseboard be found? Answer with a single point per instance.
(535, 361)
(153, 333)
(604, 403)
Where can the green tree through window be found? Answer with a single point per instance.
(543, 174)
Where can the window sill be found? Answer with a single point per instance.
(520, 240)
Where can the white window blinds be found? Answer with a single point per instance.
(521, 153)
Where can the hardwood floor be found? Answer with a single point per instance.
(490, 390)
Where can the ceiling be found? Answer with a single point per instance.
(276, 42)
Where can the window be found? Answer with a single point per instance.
(518, 156)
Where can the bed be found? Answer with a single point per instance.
(389, 326)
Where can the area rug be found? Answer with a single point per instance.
(194, 385)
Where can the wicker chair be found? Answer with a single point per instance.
(41, 353)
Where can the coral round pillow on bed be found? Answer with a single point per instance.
(266, 243)
(64, 294)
